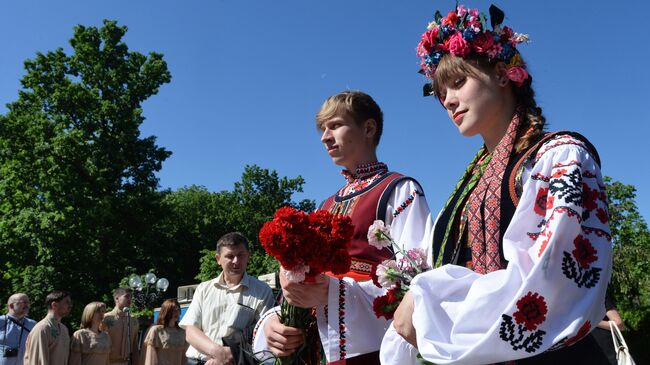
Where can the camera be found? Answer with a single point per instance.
(10, 352)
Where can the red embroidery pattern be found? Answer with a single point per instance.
(405, 204)
(542, 248)
(342, 352)
(582, 332)
(543, 201)
(540, 177)
(584, 252)
(576, 265)
(483, 206)
(564, 140)
(523, 332)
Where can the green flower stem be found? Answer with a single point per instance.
(399, 249)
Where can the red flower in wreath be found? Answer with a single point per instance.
(584, 252)
(531, 310)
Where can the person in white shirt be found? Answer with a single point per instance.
(226, 306)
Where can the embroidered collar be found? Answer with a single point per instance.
(365, 171)
(365, 175)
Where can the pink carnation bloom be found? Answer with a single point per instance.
(377, 235)
(385, 275)
(473, 12)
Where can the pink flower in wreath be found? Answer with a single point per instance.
(517, 74)
(531, 311)
(458, 46)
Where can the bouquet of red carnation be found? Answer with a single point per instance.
(306, 245)
(394, 275)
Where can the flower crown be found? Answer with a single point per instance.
(463, 33)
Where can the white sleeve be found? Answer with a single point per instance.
(558, 248)
(260, 347)
(358, 331)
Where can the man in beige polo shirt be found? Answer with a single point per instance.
(122, 329)
(48, 342)
(226, 306)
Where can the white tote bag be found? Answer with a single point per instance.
(622, 351)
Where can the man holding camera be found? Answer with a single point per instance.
(14, 328)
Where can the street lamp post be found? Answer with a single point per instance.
(145, 293)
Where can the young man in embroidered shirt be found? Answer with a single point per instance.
(48, 342)
(351, 124)
(225, 307)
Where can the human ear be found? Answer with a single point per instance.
(371, 127)
(501, 73)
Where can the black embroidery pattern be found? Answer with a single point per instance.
(583, 277)
(569, 187)
(518, 336)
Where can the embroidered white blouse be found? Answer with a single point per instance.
(559, 253)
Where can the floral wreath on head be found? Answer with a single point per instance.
(462, 33)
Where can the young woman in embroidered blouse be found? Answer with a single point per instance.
(165, 341)
(90, 345)
(524, 238)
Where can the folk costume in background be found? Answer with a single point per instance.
(349, 329)
(165, 346)
(116, 324)
(48, 343)
(89, 348)
(542, 286)
(13, 335)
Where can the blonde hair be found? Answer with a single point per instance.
(356, 104)
(89, 313)
(531, 130)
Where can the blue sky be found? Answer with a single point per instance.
(248, 77)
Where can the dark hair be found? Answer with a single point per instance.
(121, 291)
(232, 239)
(533, 122)
(167, 312)
(357, 104)
(55, 296)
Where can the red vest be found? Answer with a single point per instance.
(364, 207)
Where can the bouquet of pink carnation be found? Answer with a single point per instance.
(394, 275)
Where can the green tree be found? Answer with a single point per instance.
(252, 202)
(630, 285)
(78, 192)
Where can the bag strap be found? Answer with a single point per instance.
(619, 341)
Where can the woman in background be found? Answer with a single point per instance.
(90, 345)
(165, 341)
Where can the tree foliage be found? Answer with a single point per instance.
(630, 284)
(78, 195)
(253, 201)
